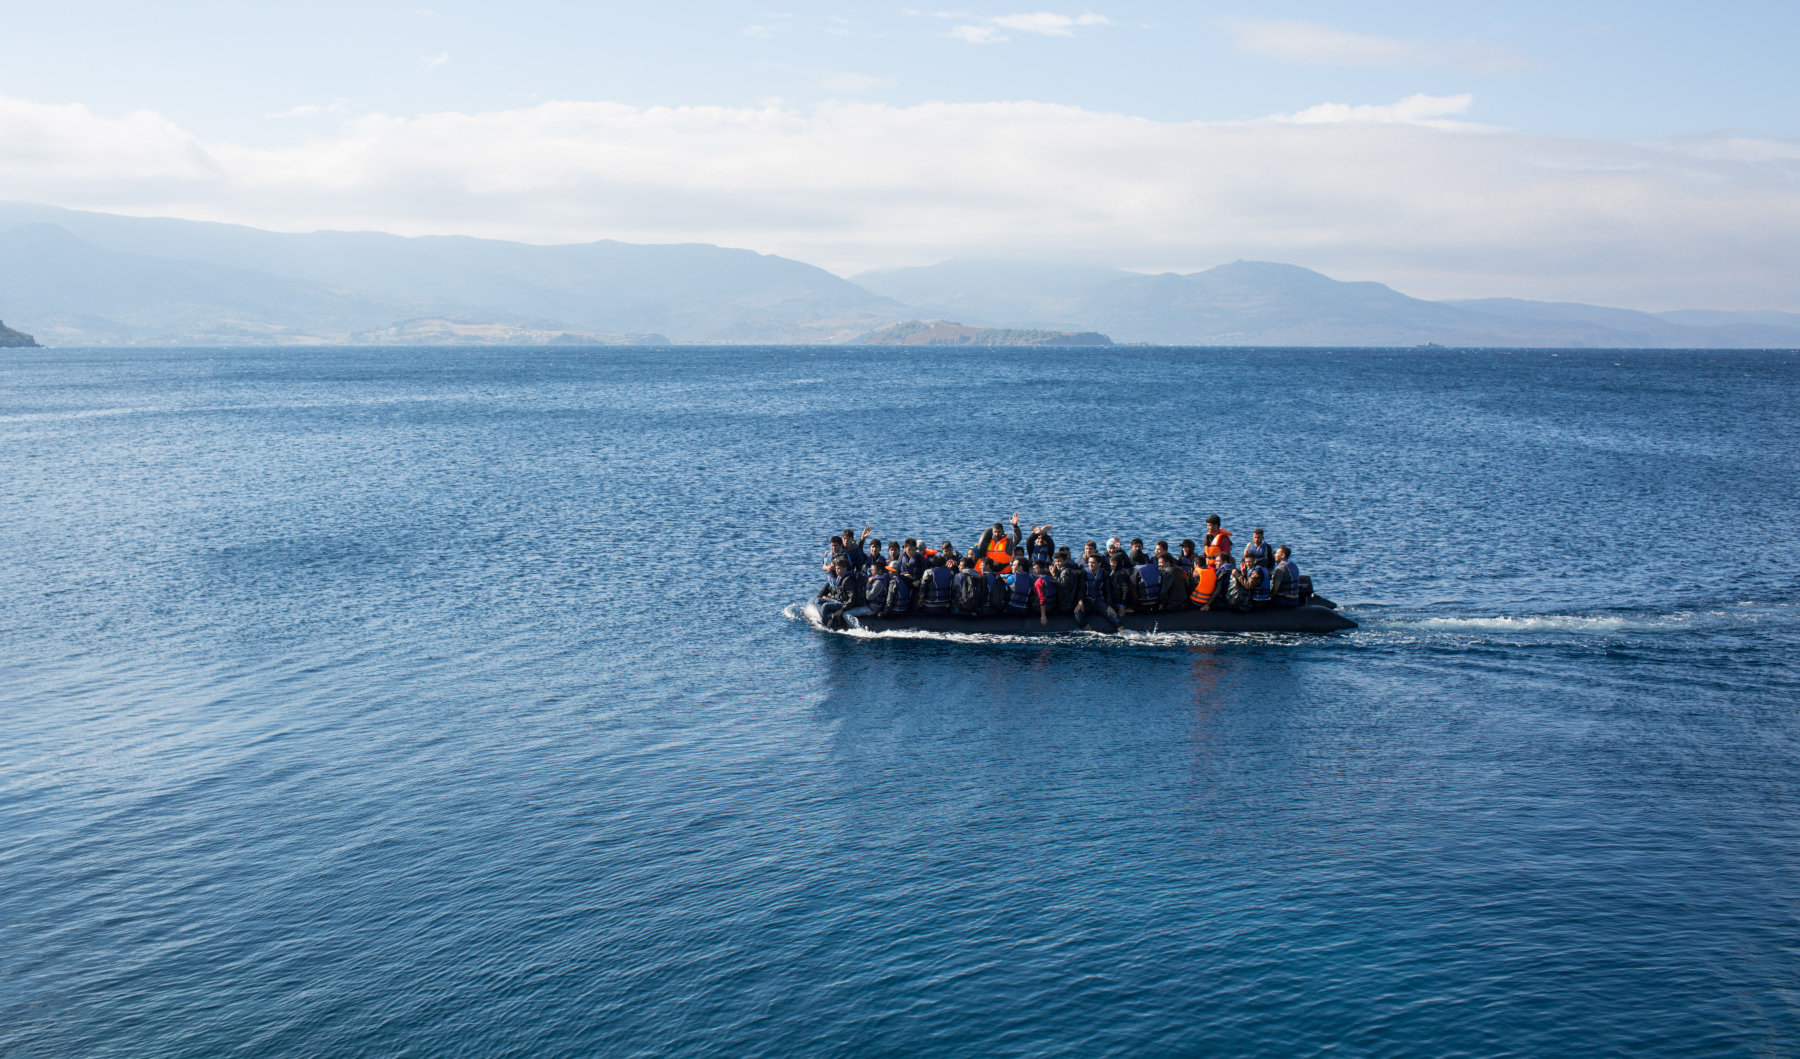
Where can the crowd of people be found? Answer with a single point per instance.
(1011, 574)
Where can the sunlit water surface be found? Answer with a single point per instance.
(449, 702)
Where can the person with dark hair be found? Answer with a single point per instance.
(1123, 579)
(1259, 551)
(834, 550)
(1115, 556)
(1188, 559)
(936, 586)
(1216, 541)
(1284, 580)
(843, 584)
(1146, 585)
(1068, 582)
(1039, 547)
(999, 593)
(853, 550)
(1211, 584)
(1091, 551)
(1095, 603)
(1043, 592)
(876, 591)
(1248, 584)
(1022, 586)
(1138, 557)
(998, 547)
(1175, 584)
(969, 590)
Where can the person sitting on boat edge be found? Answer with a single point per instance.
(968, 589)
(1284, 580)
(1174, 592)
(845, 584)
(1146, 585)
(1021, 583)
(1188, 559)
(1043, 591)
(875, 593)
(1211, 583)
(1068, 581)
(1096, 602)
(1249, 583)
(936, 587)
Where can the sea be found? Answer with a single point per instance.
(454, 702)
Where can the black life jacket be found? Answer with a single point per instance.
(1068, 588)
(971, 592)
(998, 592)
(1124, 584)
(1093, 587)
(935, 588)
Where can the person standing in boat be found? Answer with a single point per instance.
(1216, 541)
(998, 547)
(1259, 551)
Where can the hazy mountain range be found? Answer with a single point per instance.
(79, 278)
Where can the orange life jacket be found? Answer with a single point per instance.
(1218, 543)
(1204, 583)
(999, 552)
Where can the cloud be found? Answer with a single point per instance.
(757, 31)
(989, 30)
(432, 62)
(1313, 44)
(1398, 192)
(1418, 109)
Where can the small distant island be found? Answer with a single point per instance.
(946, 333)
(10, 339)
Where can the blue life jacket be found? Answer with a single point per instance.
(1093, 586)
(1046, 590)
(935, 588)
(1290, 581)
(1262, 555)
(1021, 584)
(1039, 552)
(900, 596)
(1260, 594)
(1149, 584)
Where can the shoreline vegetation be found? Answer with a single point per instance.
(948, 333)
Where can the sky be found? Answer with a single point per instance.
(1644, 155)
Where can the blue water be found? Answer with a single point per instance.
(449, 702)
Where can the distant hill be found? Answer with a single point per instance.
(1258, 303)
(102, 278)
(10, 339)
(78, 278)
(946, 333)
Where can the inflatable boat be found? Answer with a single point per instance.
(1317, 615)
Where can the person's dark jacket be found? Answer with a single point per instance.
(1068, 589)
(1175, 588)
(1123, 582)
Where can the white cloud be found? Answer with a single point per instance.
(757, 31)
(1418, 109)
(1387, 192)
(1313, 44)
(432, 62)
(989, 30)
(976, 34)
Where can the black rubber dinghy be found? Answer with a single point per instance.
(1318, 615)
